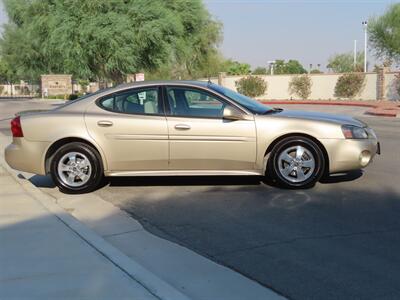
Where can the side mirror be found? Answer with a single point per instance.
(233, 114)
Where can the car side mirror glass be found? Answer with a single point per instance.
(233, 114)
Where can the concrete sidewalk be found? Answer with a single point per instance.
(42, 258)
(45, 253)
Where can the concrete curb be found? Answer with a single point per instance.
(137, 272)
(376, 108)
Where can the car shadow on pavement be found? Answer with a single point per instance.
(185, 180)
(219, 180)
(42, 181)
(47, 182)
(343, 177)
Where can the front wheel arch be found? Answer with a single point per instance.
(315, 140)
(57, 144)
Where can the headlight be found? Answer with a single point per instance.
(354, 132)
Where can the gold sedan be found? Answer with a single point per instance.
(184, 128)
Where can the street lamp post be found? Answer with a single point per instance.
(365, 25)
(271, 66)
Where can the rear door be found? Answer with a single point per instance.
(131, 128)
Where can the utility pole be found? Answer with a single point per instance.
(365, 24)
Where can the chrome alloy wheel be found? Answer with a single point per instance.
(74, 169)
(296, 164)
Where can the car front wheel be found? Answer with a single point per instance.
(76, 168)
(296, 162)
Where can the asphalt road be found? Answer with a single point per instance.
(338, 240)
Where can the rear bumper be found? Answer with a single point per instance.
(347, 154)
(26, 156)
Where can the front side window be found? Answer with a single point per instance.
(252, 105)
(139, 101)
(188, 102)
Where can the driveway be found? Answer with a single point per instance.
(339, 240)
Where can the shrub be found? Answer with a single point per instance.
(349, 85)
(315, 71)
(300, 86)
(73, 97)
(251, 86)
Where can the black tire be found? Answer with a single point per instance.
(275, 164)
(96, 174)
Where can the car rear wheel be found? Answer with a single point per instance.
(76, 168)
(296, 162)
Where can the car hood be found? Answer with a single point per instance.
(323, 117)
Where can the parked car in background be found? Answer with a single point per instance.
(184, 128)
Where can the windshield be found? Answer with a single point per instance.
(252, 105)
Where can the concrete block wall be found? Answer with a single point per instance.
(323, 86)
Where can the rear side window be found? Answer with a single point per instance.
(139, 101)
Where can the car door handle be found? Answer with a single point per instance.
(182, 127)
(105, 123)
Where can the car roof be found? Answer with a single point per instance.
(164, 82)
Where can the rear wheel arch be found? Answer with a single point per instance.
(57, 144)
(315, 140)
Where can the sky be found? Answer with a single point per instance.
(258, 31)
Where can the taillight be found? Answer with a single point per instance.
(16, 128)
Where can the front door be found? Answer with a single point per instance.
(131, 129)
(200, 139)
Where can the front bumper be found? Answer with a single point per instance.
(348, 154)
(26, 156)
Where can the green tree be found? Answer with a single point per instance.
(7, 74)
(237, 68)
(344, 62)
(290, 67)
(294, 67)
(384, 33)
(260, 71)
(107, 39)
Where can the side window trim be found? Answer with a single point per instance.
(168, 110)
(160, 96)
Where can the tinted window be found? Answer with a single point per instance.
(194, 103)
(143, 101)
